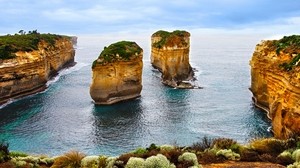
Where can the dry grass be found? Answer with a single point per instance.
(70, 159)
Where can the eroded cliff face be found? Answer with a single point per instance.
(29, 72)
(275, 84)
(170, 55)
(118, 79)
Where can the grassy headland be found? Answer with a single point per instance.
(10, 44)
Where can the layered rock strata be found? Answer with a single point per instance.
(275, 83)
(170, 55)
(117, 73)
(28, 71)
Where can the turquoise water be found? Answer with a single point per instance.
(64, 117)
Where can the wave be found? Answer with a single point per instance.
(66, 71)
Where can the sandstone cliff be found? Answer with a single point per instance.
(275, 83)
(170, 55)
(117, 73)
(28, 71)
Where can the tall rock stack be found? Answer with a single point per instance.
(170, 55)
(25, 67)
(117, 73)
(275, 83)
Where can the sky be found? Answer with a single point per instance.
(111, 16)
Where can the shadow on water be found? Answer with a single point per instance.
(117, 125)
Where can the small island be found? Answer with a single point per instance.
(117, 73)
(29, 60)
(170, 55)
(275, 76)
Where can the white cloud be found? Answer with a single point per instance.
(101, 14)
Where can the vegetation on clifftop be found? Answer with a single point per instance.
(122, 50)
(204, 151)
(170, 38)
(289, 44)
(10, 44)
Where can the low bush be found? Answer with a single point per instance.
(223, 143)
(70, 159)
(209, 156)
(204, 143)
(249, 155)
(285, 158)
(270, 145)
(228, 154)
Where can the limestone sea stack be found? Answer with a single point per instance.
(170, 55)
(117, 73)
(275, 83)
(28, 61)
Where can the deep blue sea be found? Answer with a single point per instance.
(64, 118)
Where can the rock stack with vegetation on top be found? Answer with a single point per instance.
(117, 73)
(170, 55)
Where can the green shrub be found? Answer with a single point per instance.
(172, 155)
(119, 50)
(17, 154)
(167, 147)
(296, 155)
(285, 158)
(169, 38)
(287, 42)
(152, 147)
(110, 161)
(135, 162)
(157, 161)
(188, 156)
(294, 165)
(90, 162)
(223, 143)
(228, 154)
(139, 151)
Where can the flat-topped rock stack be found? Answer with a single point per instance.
(170, 55)
(117, 73)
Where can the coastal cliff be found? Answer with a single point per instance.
(275, 85)
(170, 55)
(117, 73)
(25, 69)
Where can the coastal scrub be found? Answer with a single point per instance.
(170, 38)
(122, 50)
(10, 44)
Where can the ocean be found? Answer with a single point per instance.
(64, 117)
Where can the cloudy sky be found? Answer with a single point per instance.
(109, 16)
